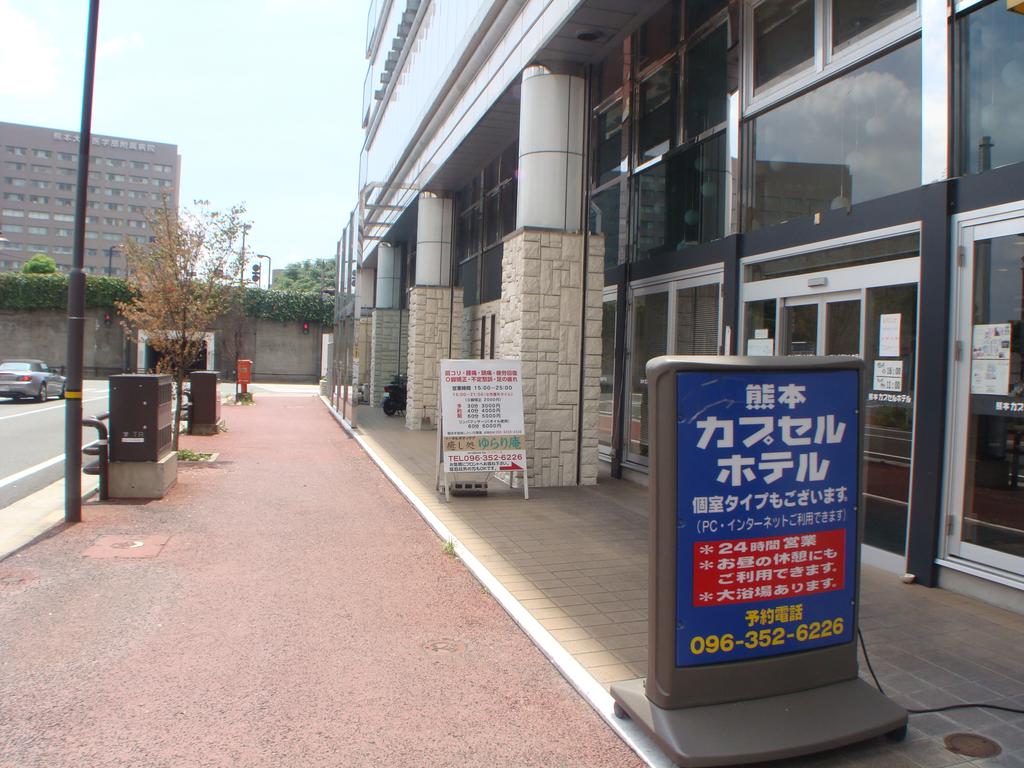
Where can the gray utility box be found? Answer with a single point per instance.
(205, 403)
(140, 417)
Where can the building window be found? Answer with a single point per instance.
(681, 201)
(14, 181)
(608, 217)
(609, 148)
(9, 228)
(14, 196)
(65, 202)
(855, 138)
(656, 121)
(63, 217)
(36, 168)
(13, 212)
(39, 199)
(44, 153)
(852, 19)
(42, 215)
(64, 186)
(699, 12)
(38, 231)
(63, 232)
(485, 212)
(12, 165)
(67, 157)
(992, 72)
(705, 86)
(20, 151)
(783, 39)
(657, 37)
(40, 184)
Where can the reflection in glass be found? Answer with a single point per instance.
(705, 87)
(842, 327)
(657, 36)
(700, 11)
(853, 18)
(870, 252)
(855, 138)
(605, 403)
(608, 218)
(992, 58)
(697, 320)
(800, 330)
(994, 485)
(783, 39)
(609, 150)
(656, 113)
(681, 201)
(608, 75)
(650, 339)
(890, 343)
(759, 328)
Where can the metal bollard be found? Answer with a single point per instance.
(98, 448)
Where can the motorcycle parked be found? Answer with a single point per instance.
(394, 396)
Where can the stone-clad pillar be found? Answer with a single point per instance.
(389, 334)
(434, 309)
(551, 125)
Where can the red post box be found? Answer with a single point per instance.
(244, 374)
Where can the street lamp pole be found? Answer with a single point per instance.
(76, 294)
(110, 258)
(241, 303)
(270, 272)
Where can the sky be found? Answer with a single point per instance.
(262, 98)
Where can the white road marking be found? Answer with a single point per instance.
(30, 471)
(50, 408)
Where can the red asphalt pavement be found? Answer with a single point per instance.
(299, 613)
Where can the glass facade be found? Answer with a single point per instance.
(855, 138)
(992, 79)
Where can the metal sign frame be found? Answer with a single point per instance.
(752, 709)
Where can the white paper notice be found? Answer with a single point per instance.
(889, 335)
(990, 359)
(888, 376)
(760, 347)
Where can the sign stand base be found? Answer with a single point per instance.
(771, 728)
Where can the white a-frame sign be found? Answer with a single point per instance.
(482, 430)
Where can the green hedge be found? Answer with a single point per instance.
(28, 292)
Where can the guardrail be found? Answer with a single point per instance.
(100, 449)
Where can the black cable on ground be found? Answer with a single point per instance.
(947, 708)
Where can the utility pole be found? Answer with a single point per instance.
(241, 303)
(76, 294)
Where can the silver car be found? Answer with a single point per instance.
(29, 378)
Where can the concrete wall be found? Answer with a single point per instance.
(280, 352)
(42, 334)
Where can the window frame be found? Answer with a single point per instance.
(827, 63)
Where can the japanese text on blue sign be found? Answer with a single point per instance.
(767, 516)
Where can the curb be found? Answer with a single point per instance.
(591, 690)
(49, 530)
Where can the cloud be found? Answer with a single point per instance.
(119, 44)
(28, 58)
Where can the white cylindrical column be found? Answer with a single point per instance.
(388, 277)
(551, 124)
(433, 240)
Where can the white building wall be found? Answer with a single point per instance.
(500, 62)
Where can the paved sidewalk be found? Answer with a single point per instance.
(576, 560)
(280, 607)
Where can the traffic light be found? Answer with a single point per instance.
(256, 272)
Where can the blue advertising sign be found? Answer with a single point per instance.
(768, 488)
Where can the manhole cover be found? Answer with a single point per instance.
(445, 646)
(971, 745)
(128, 544)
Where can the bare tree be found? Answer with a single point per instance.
(182, 281)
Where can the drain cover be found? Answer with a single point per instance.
(971, 745)
(445, 646)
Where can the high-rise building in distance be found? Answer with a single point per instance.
(129, 180)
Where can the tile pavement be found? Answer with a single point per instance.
(576, 558)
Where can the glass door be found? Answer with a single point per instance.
(986, 507)
(870, 312)
(679, 316)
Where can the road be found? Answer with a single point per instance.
(32, 436)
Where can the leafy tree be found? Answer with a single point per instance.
(39, 264)
(310, 275)
(181, 282)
